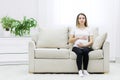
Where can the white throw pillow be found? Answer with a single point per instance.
(99, 41)
(53, 37)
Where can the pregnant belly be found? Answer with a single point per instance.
(84, 42)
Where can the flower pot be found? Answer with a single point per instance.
(7, 34)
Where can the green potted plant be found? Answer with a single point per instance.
(21, 28)
(17, 27)
(7, 22)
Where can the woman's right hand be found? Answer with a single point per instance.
(77, 38)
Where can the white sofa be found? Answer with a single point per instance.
(50, 52)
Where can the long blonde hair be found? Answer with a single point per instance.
(77, 22)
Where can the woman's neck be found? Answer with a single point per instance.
(81, 26)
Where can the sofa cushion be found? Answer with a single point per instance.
(96, 54)
(99, 40)
(51, 53)
(53, 37)
(95, 32)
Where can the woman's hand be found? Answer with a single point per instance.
(72, 38)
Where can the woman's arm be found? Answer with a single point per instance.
(90, 41)
(72, 39)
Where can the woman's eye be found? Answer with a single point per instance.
(83, 18)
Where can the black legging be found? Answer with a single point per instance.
(82, 53)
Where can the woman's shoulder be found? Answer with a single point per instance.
(89, 28)
(73, 28)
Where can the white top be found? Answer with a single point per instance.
(80, 33)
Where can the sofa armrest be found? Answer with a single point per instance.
(32, 45)
(70, 46)
(31, 48)
(106, 54)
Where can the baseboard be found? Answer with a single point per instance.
(112, 61)
(14, 63)
(117, 59)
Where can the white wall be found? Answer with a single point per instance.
(18, 9)
(117, 23)
(103, 14)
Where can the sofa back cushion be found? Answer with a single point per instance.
(52, 37)
(99, 41)
(95, 32)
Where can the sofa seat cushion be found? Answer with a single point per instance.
(51, 53)
(96, 54)
(93, 55)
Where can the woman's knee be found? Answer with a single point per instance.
(86, 50)
(77, 51)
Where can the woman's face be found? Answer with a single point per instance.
(81, 19)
